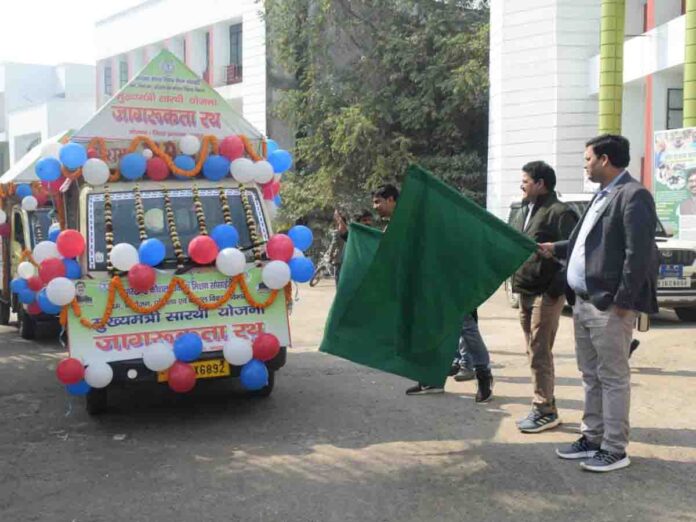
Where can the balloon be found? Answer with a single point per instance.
(225, 236)
(54, 232)
(276, 275)
(188, 347)
(80, 388)
(237, 351)
(26, 270)
(152, 252)
(54, 187)
(281, 160)
(73, 155)
(232, 147)
(266, 346)
(60, 291)
(22, 191)
(242, 170)
(189, 144)
(133, 166)
(203, 250)
(51, 150)
(277, 200)
(301, 236)
(96, 172)
(271, 146)
(158, 357)
(230, 261)
(184, 163)
(92, 153)
(147, 154)
(72, 269)
(297, 253)
(46, 305)
(26, 296)
(182, 377)
(267, 191)
(280, 247)
(157, 169)
(301, 269)
(254, 375)
(263, 172)
(3, 217)
(5, 230)
(47, 169)
(124, 256)
(216, 167)
(45, 250)
(141, 277)
(41, 198)
(18, 284)
(99, 374)
(51, 268)
(34, 308)
(70, 243)
(35, 283)
(30, 203)
(70, 371)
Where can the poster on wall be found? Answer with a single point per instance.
(674, 182)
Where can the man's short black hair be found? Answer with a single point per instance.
(540, 170)
(386, 191)
(617, 148)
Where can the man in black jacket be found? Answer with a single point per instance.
(611, 275)
(540, 283)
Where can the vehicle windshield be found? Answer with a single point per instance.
(125, 225)
(40, 221)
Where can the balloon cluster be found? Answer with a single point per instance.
(287, 258)
(79, 379)
(52, 286)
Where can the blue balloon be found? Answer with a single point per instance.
(184, 162)
(46, 305)
(23, 191)
(26, 296)
(152, 252)
(18, 284)
(133, 166)
(271, 146)
(301, 269)
(281, 160)
(188, 347)
(226, 236)
(72, 269)
(79, 388)
(53, 232)
(216, 167)
(254, 375)
(301, 236)
(73, 156)
(47, 169)
(276, 199)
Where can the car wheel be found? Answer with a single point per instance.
(27, 326)
(686, 314)
(96, 401)
(5, 313)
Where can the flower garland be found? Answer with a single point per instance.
(251, 225)
(225, 204)
(140, 213)
(108, 230)
(173, 234)
(198, 209)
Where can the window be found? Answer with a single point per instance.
(123, 73)
(108, 86)
(675, 108)
(234, 69)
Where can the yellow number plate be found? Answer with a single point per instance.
(204, 370)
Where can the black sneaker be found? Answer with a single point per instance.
(465, 374)
(484, 392)
(580, 449)
(454, 369)
(537, 422)
(423, 389)
(604, 461)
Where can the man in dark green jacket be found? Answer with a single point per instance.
(540, 282)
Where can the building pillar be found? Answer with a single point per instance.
(611, 65)
(690, 66)
(647, 162)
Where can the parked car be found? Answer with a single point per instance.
(676, 284)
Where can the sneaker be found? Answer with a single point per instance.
(537, 422)
(454, 369)
(465, 374)
(604, 461)
(580, 449)
(422, 389)
(484, 392)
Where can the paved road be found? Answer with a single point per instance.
(339, 442)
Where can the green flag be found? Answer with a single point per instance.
(402, 294)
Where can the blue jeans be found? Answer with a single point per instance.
(472, 352)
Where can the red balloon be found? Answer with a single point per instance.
(182, 377)
(35, 283)
(142, 277)
(232, 147)
(34, 309)
(267, 190)
(280, 248)
(92, 153)
(5, 230)
(157, 169)
(265, 347)
(70, 243)
(53, 187)
(203, 250)
(275, 187)
(70, 371)
(51, 268)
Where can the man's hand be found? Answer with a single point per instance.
(545, 250)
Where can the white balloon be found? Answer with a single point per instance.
(276, 275)
(189, 144)
(231, 261)
(45, 250)
(25, 270)
(3, 217)
(51, 150)
(263, 172)
(60, 291)
(96, 172)
(29, 203)
(297, 253)
(124, 256)
(242, 170)
(99, 374)
(158, 357)
(147, 153)
(237, 351)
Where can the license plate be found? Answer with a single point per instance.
(674, 282)
(672, 271)
(204, 370)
